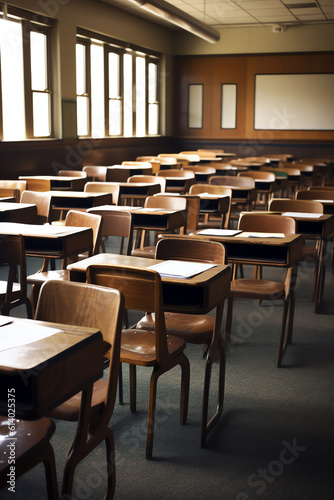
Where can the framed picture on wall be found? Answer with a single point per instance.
(195, 105)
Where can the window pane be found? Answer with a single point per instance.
(41, 114)
(97, 88)
(115, 124)
(152, 82)
(153, 114)
(81, 68)
(140, 96)
(11, 58)
(38, 61)
(82, 115)
(113, 74)
(128, 95)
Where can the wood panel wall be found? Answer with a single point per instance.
(213, 71)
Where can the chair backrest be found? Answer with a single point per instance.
(268, 223)
(84, 219)
(190, 249)
(233, 181)
(211, 189)
(149, 178)
(137, 163)
(43, 201)
(116, 223)
(258, 175)
(288, 205)
(95, 173)
(175, 172)
(12, 255)
(142, 292)
(103, 187)
(198, 169)
(87, 305)
(314, 194)
(37, 184)
(166, 202)
(12, 188)
(72, 173)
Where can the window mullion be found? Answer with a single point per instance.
(27, 80)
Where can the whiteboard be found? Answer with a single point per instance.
(294, 102)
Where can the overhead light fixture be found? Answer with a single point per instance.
(176, 16)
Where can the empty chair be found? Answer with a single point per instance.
(316, 194)
(165, 203)
(43, 202)
(195, 328)
(102, 308)
(32, 447)
(12, 188)
(73, 219)
(265, 186)
(202, 173)
(115, 223)
(36, 183)
(95, 173)
(221, 217)
(260, 289)
(13, 291)
(142, 291)
(155, 179)
(177, 180)
(103, 187)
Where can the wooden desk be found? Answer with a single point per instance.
(179, 184)
(46, 372)
(54, 242)
(137, 191)
(58, 182)
(78, 200)
(17, 212)
(121, 173)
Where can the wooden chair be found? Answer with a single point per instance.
(155, 179)
(32, 447)
(265, 188)
(73, 219)
(12, 256)
(36, 184)
(177, 180)
(98, 307)
(115, 223)
(95, 173)
(143, 292)
(195, 328)
(43, 202)
(12, 188)
(103, 187)
(72, 173)
(163, 202)
(221, 217)
(315, 194)
(259, 289)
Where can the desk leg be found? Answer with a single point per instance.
(217, 347)
(320, 277)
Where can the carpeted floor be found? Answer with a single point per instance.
(274, 441)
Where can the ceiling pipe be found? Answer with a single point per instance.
(176, 16)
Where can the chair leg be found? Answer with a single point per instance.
(282, 344)
(120, 385)
(151, 412)
(185, 382)
(111, 468)
(229, 319)
(50, 473)
(133, 388)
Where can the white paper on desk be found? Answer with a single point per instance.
(209, 195)
(220, 232)
(180, 268)
(261, 235)
(303, 215)
(18, 334)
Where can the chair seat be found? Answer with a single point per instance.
(193, 328)
(147, 252)
(138, 346)
(40, 278)
(257, 289)
(70, 409)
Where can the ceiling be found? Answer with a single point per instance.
(226, 13)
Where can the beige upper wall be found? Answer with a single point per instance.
(259, 40)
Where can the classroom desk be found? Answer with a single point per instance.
(47, 241)
(179, 184)
(197, 295)
(120, 173)
(136, 191)
(59, 182)
(45, 372)
(78, 200)
(18, 212)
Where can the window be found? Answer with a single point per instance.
(25, 91)
(117, 89)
